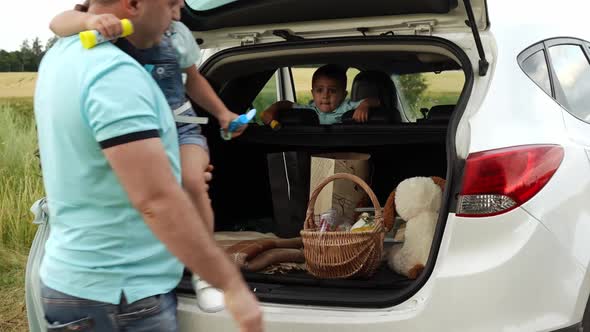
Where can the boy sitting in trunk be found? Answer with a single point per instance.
(328, 89)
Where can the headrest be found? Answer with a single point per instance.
(440, 113)
(379, 85)
(298, 117)
(376, 115)
(374, 84)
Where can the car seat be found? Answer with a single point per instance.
(379, 85)
(440, 114)
(300, 117)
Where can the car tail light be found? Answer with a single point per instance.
(498, 181)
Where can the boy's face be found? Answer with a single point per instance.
(327, 93)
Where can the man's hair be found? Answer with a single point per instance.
(332, 71)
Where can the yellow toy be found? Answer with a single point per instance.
(91, 38)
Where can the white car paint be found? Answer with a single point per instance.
(484, 280)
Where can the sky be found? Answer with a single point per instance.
(27, 19)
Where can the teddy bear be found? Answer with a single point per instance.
(417, 201)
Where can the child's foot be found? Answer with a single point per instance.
(209, 298)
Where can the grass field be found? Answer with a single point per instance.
(17, 84)
(20, 186)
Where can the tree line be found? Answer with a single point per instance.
(27, 57)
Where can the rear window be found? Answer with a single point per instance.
(535, 67)
(268, 95)
(302, 82)
(564, 65)
(573, 72)
(202, 5)
(418, 93)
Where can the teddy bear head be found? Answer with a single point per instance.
(416, 195)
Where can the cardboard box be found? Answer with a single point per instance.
(342, 195)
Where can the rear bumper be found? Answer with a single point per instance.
(503, 273)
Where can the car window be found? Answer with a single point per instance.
(302, 81)
(268, 95)
(572, 69)
(200, 5)
(535, 66)
(419, 92)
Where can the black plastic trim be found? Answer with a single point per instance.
(354, 135)
(483, 63)
(128, 138)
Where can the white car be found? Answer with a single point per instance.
(510, 133)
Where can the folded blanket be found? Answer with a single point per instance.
(265, 252)
(246, 250)
(272, 257)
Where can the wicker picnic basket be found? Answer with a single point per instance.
(342, 254)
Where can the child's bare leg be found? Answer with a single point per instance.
(194, 160)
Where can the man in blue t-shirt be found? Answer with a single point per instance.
(121, 225)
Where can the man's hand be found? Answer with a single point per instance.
(361, 114)
(244, 308)
(107, 24)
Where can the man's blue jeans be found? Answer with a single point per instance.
(68, 313)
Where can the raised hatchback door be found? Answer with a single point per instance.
(228, 23)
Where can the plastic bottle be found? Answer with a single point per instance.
(91, 38)
(238, 122)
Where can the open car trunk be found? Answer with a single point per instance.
(242, 191)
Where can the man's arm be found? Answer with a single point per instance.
(170, 214)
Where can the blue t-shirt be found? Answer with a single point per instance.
(328, 118)
(99, 246)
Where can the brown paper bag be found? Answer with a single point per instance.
(341, 195)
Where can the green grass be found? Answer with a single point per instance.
(20, 178)
(20, 186)
(12, 301)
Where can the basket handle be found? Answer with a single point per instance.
(310, 208)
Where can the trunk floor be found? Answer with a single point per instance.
(383, 278)
(381, 290)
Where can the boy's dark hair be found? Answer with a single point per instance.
(82, 7)
(332, 71)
